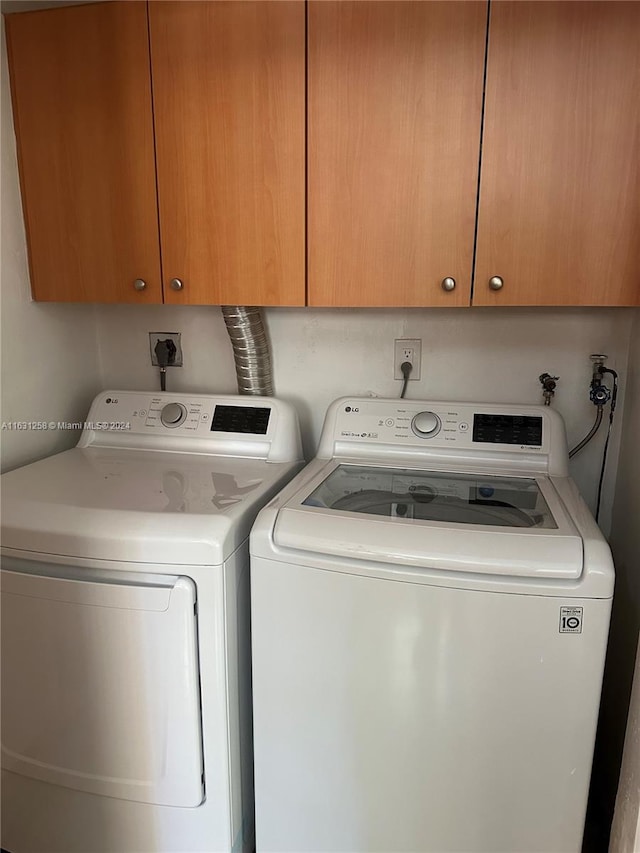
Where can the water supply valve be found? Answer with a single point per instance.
(549, 384)
(599, 394)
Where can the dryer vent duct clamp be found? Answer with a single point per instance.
(250, 349)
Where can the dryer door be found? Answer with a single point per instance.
(100, 684)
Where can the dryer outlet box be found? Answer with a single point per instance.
(154, 337)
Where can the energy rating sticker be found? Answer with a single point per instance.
(571, 620)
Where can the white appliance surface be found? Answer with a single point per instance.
(158, 761)
(430, 608)
(126, 710)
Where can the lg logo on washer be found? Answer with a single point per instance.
(349, 409)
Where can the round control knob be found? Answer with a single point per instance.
(173, 414)
(426, 424)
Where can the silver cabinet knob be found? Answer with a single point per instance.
(173, 414)
(496, 283)
(139, 284)
(426, 424)
(176, 284)
(448, 283)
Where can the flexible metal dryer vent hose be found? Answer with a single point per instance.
(250, 349)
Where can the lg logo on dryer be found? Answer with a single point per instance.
(350, 409)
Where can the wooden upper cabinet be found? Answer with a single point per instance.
(82, 107)
(229, 102)
(394, 102)
(559, 214)
(395, 98)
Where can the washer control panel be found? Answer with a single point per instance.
(403, 422)
(357, 424)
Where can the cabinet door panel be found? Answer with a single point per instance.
(229, 101)
(559, 216)
(82, 106)
(395, 95)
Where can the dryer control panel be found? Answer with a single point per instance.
(230, 425)
(373, 426)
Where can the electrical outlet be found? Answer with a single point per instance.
(407, 349)
(154, 337)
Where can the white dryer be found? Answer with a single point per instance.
(430, 609)
(126, 709)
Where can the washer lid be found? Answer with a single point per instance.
(137, 506)
(466, 522)
(434, 496)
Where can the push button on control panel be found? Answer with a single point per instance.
(426, 424)
(173, 414)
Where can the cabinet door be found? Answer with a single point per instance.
(82, 106)
(559, 216)
(229, 101)
(395, 96)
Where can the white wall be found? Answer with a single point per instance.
(50, 367)
(625, 542)
(320, 354)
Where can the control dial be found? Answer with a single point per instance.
(426, 424)
(173, 414)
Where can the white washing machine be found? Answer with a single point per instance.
(430, 607)
(126, 709)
